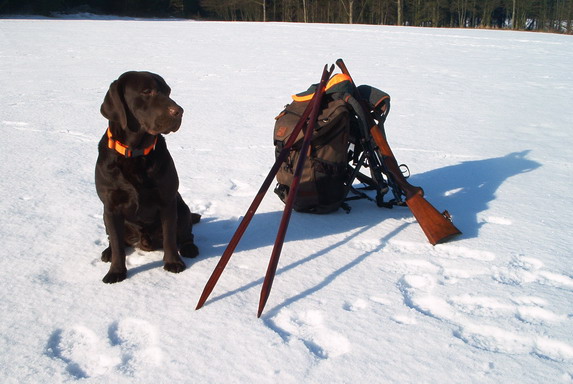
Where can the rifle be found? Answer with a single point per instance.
(438, 227)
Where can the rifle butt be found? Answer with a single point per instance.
(437, 226)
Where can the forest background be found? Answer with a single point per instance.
(535, 15)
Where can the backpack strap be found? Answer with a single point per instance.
(373, 157)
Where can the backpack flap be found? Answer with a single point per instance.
(331, 112)
(329, 117)
(378, 101)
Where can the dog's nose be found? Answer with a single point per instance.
(175, 111)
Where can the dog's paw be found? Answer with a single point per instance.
(106, 255)
(174, 267)
(114, 277)
(189, 250)
(195, 218)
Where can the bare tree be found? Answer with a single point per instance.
(349, 9)
(513, 26)
(262, 3)
(461, 8)
(547, 15)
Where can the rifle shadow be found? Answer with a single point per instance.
(467, 188)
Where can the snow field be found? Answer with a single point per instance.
(480, 117)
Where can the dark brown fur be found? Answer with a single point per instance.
(142, 206)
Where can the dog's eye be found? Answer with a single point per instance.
(146, 91)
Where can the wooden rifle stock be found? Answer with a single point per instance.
(438, 227)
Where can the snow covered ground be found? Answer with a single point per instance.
(483, 119)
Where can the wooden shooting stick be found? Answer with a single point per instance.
(311, 112)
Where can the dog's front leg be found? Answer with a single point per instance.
(171, 258)
(115, 227)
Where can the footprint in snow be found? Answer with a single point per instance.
(310, 329)
(202, 207)
(239, 188)
(444, 251)
(523, 270)
(83, 352)
(430, 270)
(355, 306)
(495, 220)
(469, 315)
(369, 245)
(130, 345)
(403, 319)
(137, 340)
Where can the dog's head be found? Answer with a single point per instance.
(139, 101)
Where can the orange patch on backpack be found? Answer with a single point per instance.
(281, 131)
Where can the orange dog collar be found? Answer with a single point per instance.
(126, 151)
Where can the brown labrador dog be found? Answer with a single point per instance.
(135, 175)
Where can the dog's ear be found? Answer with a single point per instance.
(113, 108)
(162, 84)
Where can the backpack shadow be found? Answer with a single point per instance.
(464, 189)
(467, 188)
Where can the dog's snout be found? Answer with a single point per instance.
(175, 110)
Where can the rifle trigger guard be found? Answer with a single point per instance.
(447, 215)
(405, 170)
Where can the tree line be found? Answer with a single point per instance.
(536, 15)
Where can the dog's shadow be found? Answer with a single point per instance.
(465, 189)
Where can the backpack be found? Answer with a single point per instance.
(327, 176)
